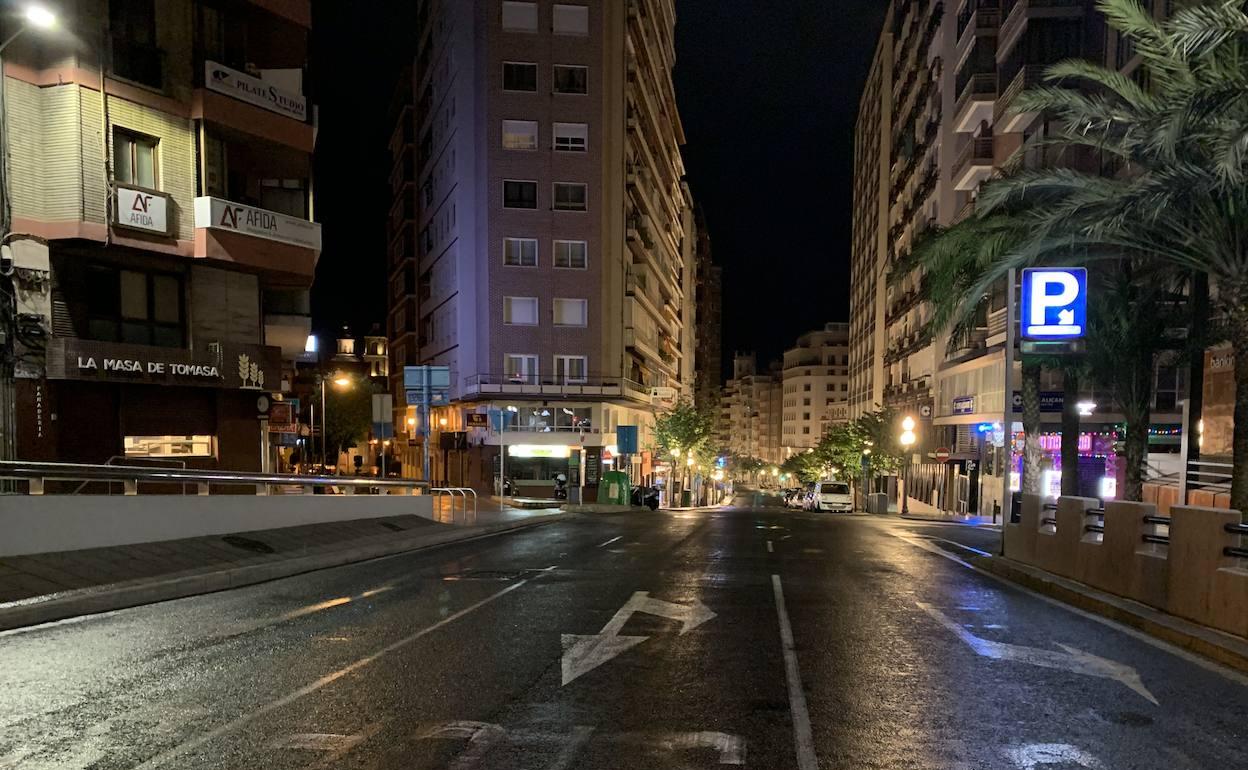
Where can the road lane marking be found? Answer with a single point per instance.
(481, 736)
(1073, 660)
(1036, 755)
(330, 678)
(609, 542)
(1152, 641)
(583, 653)
(802, 736)
(730, 747)
(770, 549)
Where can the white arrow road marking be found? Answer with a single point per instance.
(1072, 660)
(1037, 755)
(585, 652)
(481, 736)
(731, 748)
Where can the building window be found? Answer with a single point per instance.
(806, 402)
(170, 446)
(520, 252)
(571, 369)
(519, 17)
(519, 195)
(572, 254)
(136, 57)
(806, 386)
(134, 159)
(134, 307)
(571, 19)
(571, 312)
(569, 196)
(519, 76)
(805, 431)
(571, 79)
(519, 134)
(571, 137)
(520, 311)
(520, 368)
(805, 415)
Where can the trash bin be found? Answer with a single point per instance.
(686, 498)
(615, 488)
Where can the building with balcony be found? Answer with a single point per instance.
(542, 244)
(750, 411)
(708, 301)
(815, 387)
(161, 228)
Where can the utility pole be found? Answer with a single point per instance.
(1007, 423)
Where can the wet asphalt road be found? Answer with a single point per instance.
(900, 657)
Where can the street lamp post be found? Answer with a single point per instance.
(907, 440)
(342, 381)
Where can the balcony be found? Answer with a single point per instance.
(1007, 120)
(275, 243)
(1014, 15)
(975, 102)
(592, 386)
(979, 17)
(974, 164)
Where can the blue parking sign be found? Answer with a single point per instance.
(1055, 303)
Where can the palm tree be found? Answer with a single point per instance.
(1179, 197)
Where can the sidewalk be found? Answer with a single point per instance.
(45, 587)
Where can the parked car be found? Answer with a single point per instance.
(832, 496)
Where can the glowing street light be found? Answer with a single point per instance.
(40, 17)
(907, 440)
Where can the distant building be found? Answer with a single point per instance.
(541, 236)
(708, 356)
(815, 386)
(750, 411)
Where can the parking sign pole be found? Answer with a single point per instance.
(1007, 423)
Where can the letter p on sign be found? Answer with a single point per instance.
(1055, 303)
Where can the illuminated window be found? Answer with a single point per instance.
(520, 311)
(571, 312)
(519, 134)
(170, 446)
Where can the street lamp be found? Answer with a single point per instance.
(37, 17)
(341, 380)
(907, 440)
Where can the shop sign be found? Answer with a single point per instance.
(141, 210)
(234, 367)
(477, 420)
(1050, 401)
(593, 465)
(282, 417)
(253, 90)
(964, 405)
(538, 450)
(218, 214)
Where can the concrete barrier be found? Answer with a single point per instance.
(43, 524)
(1178, 565)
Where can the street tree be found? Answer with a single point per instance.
(348, 417)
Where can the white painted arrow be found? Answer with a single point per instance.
(1036, 755)
(1073, 660)
(585, 652)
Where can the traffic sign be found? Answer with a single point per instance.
(942, 455)
(1055, 303)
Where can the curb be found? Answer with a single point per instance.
(945, 520)
(117, 596)
(1230, 651)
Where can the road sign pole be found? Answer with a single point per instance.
(1007, 424)
(426, 395)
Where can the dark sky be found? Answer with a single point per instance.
(768, 92)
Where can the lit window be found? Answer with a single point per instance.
(170, 446)
(520, 252)
(519, 17)
(520, 311)
(571, 312)
(519, 134)
(571, 79)
(571, 137)
(569, 196)
(519, 76)
(571, 254)
(571, 19)
(134, 159)
(520, 368)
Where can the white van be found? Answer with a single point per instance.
(832, 496)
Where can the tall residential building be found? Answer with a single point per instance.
(750, 410)
(815, 387)
(541, 235)
(709, 300)
(159, 215)
(963, 70)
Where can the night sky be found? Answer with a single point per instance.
(768, 94)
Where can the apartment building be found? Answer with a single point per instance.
(160, 227)
(708, 301)
(815, 387)
(541, 239)
(750, 410)
(981, 55)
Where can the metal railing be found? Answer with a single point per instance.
(37, 475)
(112, 460)
(451, 494)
